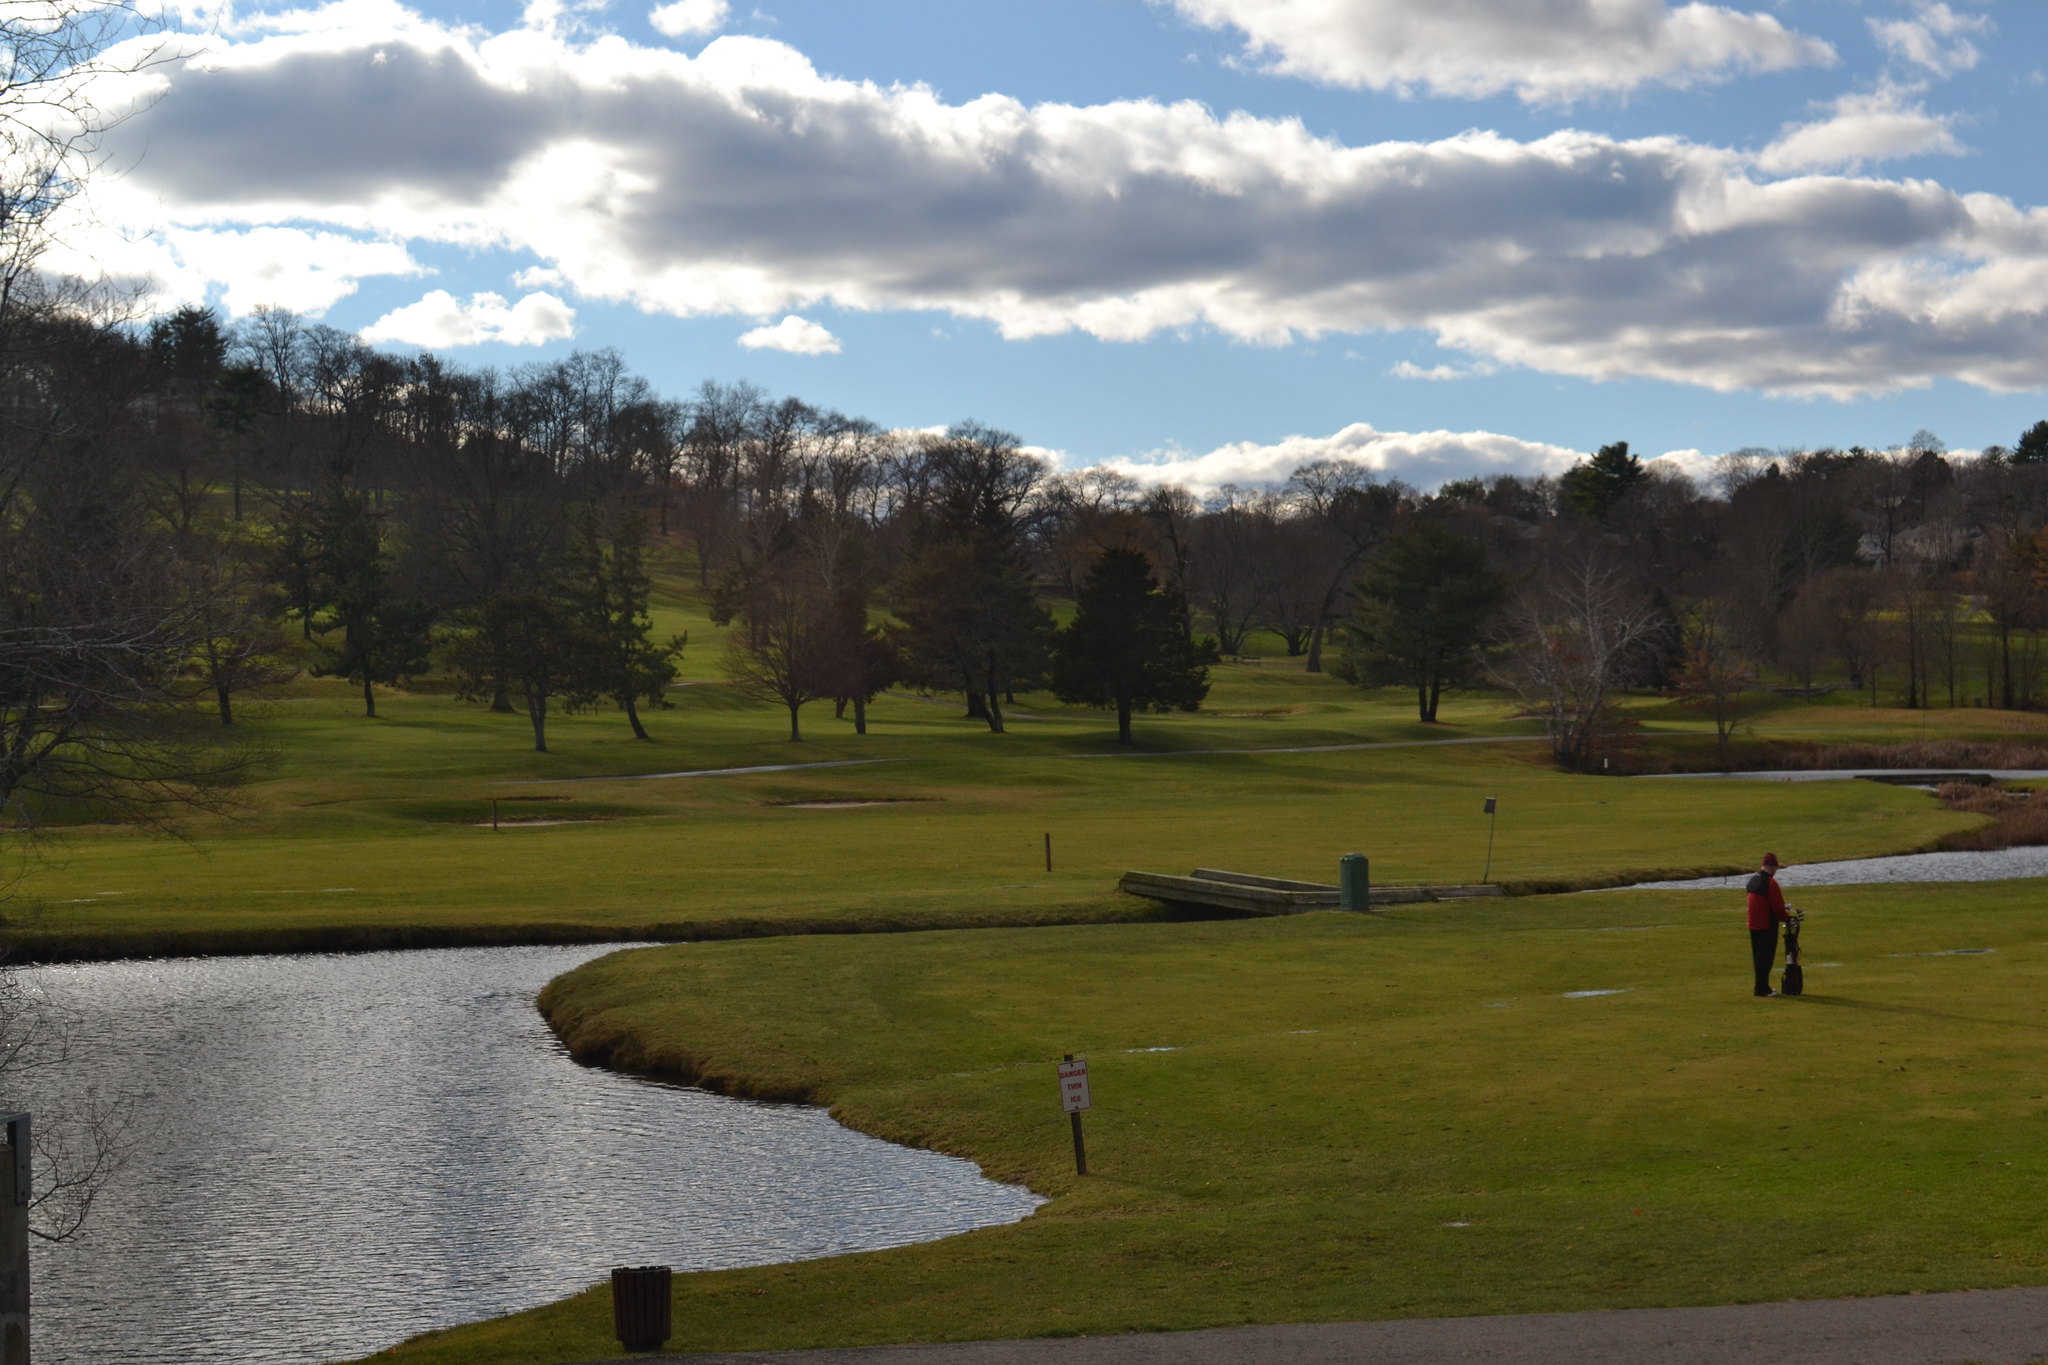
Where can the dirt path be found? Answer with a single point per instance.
(1980, 1327)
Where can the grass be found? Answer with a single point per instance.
(1363, 1118)
(371, 832)
(377, 832)
(1371, 1118)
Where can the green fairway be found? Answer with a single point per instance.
(1333, 1117)
(377, 832)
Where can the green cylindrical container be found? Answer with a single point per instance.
(1354, 882)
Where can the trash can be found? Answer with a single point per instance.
(1354, 882)
(640, 1317)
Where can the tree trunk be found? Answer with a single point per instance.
(993, 699)
(860, 715)
(795, 735)
(633, 718)
(1123, 720)
(537, 712)
(839, 708)
(1423, 710)
(369, 696)
(1315, 649)
(227, 708)
(975, 709)
(2005, 665)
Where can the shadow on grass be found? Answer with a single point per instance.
(1922, 1011)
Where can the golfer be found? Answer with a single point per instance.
(1766, 912)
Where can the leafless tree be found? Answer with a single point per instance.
(1567, 644)
(1716, 668)
(77, 1144)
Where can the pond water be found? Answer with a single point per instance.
(1997, 865)
(1849, 774)
(335, 1152)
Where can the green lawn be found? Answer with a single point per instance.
(1407, 1115)
(371, 832)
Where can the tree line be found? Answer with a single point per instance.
(190, 495)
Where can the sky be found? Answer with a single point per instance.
(1198, 240)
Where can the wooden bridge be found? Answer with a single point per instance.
(1250, 895)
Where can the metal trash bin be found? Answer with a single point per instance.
(1354, 882)
(640, 1306)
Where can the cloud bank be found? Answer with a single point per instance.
(1424, 459)
(1544, 51)
(741, 182)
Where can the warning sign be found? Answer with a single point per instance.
(1074, 1086)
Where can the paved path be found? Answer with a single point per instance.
(1984, 1327)
(1325, 748)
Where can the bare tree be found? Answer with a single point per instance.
(1568, 641)
(1716, 668)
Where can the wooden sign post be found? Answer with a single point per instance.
(1074, 1099)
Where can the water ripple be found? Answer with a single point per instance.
(336, 1152)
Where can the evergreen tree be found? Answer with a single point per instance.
(1127, 647)
(541, 642)
(1596, 487)
(612, 592)
(2033, 445)
(384, 637)
(972, 620)
(1419, 615)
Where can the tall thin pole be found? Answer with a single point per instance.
(1492, 819)
(1048, 862)
(1080, 1148)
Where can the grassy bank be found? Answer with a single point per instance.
(1402, 1116)
(375, 833)
(378, 833)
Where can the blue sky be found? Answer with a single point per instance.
(1199, 239)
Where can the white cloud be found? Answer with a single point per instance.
(687, 17)
(1437, 374)
(799, 336)
(741, 182)
(1545, 51)
(1425, 459)
(284, 267)
(1881, 125)
(1935, 38)
(440, 321)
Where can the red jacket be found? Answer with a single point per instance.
(1766, 902)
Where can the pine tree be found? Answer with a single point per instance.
(1419, 614)
(1127, 647)
(1595, 488)
(384, 637)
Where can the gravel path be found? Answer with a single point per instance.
(1980, 1327)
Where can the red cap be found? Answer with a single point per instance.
(1770, 860)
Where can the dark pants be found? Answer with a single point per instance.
(1763, 947)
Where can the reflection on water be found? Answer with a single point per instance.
(1996, 865)
(336, 1152)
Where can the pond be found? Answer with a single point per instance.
(1997, 865)
(336, 1152)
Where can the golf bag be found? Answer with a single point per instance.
(1793, 981)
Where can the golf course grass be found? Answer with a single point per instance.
(1542, 1103)
(377, 833)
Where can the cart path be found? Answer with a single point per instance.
(1328, 748)
(1150, 753)
(1982, 1327)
